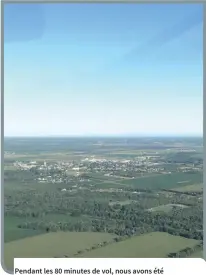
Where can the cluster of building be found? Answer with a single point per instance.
(73, 171)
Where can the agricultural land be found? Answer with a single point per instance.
(103, 197)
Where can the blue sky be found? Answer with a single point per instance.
(103, 69)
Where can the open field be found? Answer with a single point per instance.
(166, 181)
(190, 188)
(52, 245)
(121, 202)
(12, 232)
(99, 177)
(152, 245)
(9, 168)
(42, 157)
(110, 184)
(197, 254)
(167, 208)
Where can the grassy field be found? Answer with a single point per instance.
(10, 168)
(121, 202)
(152, 245)
(197, 254)
(49, 156)
(99, 177)
(166, 181)
(59, 244)
(52, 245)
(166, 208)
(190, 188)
(12, 232)
(110, 184)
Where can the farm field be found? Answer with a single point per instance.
(12, 232)
(166, 181)
(197, 254)
(190, 188)
(52, 245)
(151, 245)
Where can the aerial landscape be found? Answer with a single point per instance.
(103, 197)
(103, 143)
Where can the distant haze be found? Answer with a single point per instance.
(103, 70)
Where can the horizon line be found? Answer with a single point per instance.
(104, 136)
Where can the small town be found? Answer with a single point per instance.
(81, 171)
